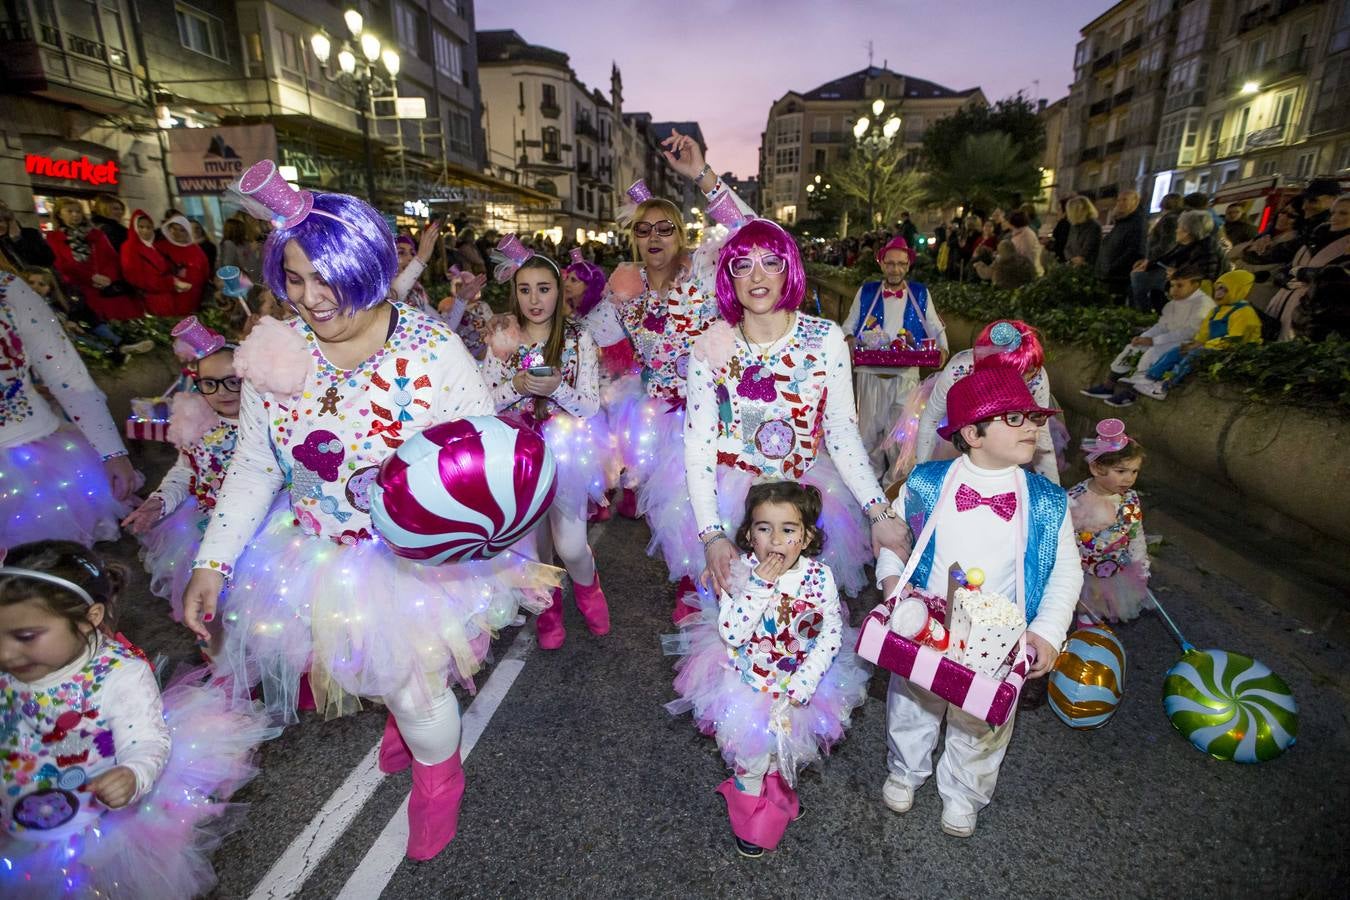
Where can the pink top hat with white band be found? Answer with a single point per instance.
(263, 184)
(1110, 437)
(509, 255)
(639, 192)
(193, 340)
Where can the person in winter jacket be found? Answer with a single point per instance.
(189, 265)
(87, 262)
(148, 270)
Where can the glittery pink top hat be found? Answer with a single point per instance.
(1110, 437)
(509, 255)
(577, 257)
(263, 184)
(639, 192)
(193, 340)
(984, 394)
(897, 243)
(724, 211)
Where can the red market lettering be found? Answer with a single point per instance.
(75, 169)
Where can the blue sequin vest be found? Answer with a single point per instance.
(873, 306)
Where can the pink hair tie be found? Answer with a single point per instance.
(1110, 438)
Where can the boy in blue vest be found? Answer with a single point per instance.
(989, 512)
(889, 305)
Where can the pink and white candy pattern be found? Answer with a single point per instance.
(462, 490)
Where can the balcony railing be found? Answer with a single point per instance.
(1104, 61)
(1295, 62)
(1115, 146)
(828, 137)
(1330, 118)
(1266, 13)
(586, 129)
(1122, 97)
(1266, 137)
(1131, 45)
(1101, 107)
(549, 110)
(1090, 154)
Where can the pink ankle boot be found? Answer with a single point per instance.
(550, 624)
(600, 513)
(304, 700)
(628, 507)
(684, 591)
(433, 806)
(591, 603)
(760, 820)
(394, 754)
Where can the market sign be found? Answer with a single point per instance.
(55, 163)
(95, 173)
(209, 160)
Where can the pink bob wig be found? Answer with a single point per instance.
(347, 242)
(766, 235)
(593, 277)
(1010, 342)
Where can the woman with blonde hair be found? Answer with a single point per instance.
(86, 260)
(1085, 233)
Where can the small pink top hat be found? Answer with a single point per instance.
(509, 255)
(984, 394)
(263, 184)
(193, 340)
(639, 192)
(1110, 437)
(577, 257)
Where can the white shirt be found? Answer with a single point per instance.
(892, 319)
(1179, 321)
(24, 415)
(979, 538)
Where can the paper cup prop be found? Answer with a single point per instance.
(234, 283)
(1088, 679)
(1228, 705)
(462, 490)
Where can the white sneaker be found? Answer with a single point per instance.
(958, 825)
(898, 796)
(1153, 389)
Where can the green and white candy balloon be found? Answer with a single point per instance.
(1230, 706)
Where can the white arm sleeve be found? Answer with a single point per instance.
(700, 444)
(1055, 613)
(925, 440)
(583, 398)
(739, 614)
(405, 280)
(173, 489)
(854, 311)
(141, 739)
(937, 329)
(888, 564)
(828, 644)
(841, 423)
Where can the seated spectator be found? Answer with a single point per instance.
(1232, 321)
(1326, 306)
(1329, 247)
(1179, 320)
(1195, 247)
(1123, 245)
(20, 245)
(1025, 242)
(1269, 255)
(1236, 228)
(1009, 269)
(1085, 233)
(1147, 276)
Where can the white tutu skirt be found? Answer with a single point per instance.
(162, 845)
(1120, 596)
(56, 488)
(360, 620)
(584, 452)
(168, 550)
(664, 500)
(643, 429)
(904, 436)
(737, 714)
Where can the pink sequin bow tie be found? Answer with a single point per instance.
(898, 294)
(1003, 505)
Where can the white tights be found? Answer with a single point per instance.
(566, 536)
(430, 726)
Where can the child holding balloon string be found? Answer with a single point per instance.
(543, 370)
(107, 788)
(1109, 523)
(770, 671)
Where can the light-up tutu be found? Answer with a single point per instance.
(56, 487)
(168, 550)
(162, 845)
(1119, 596)
(583, 451)
(666, 504)
(904, 435)
(643, 427)
(360, 620)
(725, 706)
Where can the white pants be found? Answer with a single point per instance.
(1139, 360)
(750, 772)
(430, 727)
(562, 534)
(968, 768)
(881, 399)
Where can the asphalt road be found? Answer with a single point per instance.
(580, 784)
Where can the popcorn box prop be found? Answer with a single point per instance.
(988, 698)
(149, 419)
(985, 628)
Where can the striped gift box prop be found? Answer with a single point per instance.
(898, 358)
(149, 419)
(990, 699)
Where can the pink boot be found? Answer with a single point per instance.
(627, 506)
(304, 700)
(760, 820)
(683, 610)
(591, 603)
(550, 624)
(394, 754)
(600, 513)
(433, 806)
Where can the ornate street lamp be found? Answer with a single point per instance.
(874, 137)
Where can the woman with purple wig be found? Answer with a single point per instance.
(770, 398)
(584, 286)
(327, 397)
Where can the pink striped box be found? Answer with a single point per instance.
(987, 698)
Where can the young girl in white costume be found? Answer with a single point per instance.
(327, 398)
(770, 671)
(106, 789)
(547, 376)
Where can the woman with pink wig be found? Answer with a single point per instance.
(1004, 342)
(770, 398)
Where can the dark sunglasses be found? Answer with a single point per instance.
(664, 228)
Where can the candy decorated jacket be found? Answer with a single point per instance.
(577, 395)
(200, 468)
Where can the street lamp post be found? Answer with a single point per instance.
(358, 72)
(875, 137)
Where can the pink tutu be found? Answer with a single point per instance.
(583, 451)
(618, 359)
(56, 487)
(161, 846)
(168, 551)
(738, 715)
(666, 504)
(1119, 596)
(360, 620)
(643, 427)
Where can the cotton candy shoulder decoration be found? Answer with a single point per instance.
(273, 358)
(506, 336)
(626, 282)
(190, 418)
(716, 345)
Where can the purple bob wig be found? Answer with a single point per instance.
(593, 277)
(769, 236)
(347, 242)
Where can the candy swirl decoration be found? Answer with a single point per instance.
(462, 490)
(1088, 679)
(1230, 706)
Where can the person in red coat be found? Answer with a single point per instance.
(148, 270)
(87, 261)
(189, 265)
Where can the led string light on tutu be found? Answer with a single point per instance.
(1111, 437)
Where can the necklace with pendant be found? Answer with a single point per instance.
(760, 351)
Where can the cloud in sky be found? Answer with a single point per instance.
(722, 63)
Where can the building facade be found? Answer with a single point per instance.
(809, 131)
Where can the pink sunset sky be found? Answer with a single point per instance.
(721, 63)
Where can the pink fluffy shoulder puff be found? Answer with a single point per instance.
(190, 418)
(626, 282)
(715, 345)
(273, 358)
(505, 337)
